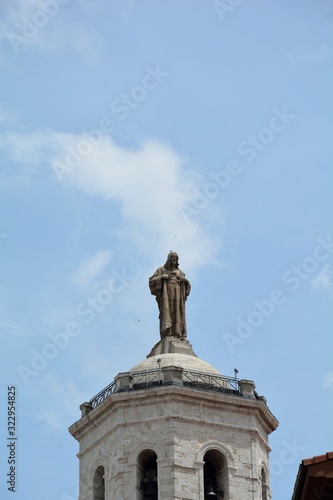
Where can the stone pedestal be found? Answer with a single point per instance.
(171, 345)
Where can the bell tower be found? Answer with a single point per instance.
(173, 427)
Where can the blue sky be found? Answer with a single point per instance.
(131, 128)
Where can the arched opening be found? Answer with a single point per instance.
(99, 484)
(263, 485)
(215, 476)
(147, 475)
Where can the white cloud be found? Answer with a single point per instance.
(153, 188)
(328, 382)
(25, 158)
(91, 267)
(323, 279)
(152, 185)
(28, 149)
(47, 26)
(87, 43)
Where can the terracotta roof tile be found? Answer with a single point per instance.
(318, 458)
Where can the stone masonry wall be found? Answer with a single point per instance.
(180, 424)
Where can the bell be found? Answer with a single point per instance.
(151, 491)
(210, 493)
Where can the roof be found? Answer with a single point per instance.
(315, 478)
(318, 458)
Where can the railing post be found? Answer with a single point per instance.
(85, 409)
(124, 381)
(173, 375)
(246, 388)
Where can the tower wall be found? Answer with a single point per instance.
(181, 425)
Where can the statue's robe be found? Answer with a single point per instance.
(171, 296)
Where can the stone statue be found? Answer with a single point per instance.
(171, 289)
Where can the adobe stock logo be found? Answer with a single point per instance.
(131, 100)
(265, 308)
(121, 108)
(225, 7)
(249, 148)
(289, 453)
(30, 27)
(87, 311)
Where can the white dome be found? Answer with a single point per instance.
(184, 361)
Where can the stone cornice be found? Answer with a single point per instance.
(187, 420)
(178, 394)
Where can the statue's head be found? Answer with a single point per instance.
(172, 260)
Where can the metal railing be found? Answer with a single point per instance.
(210, 382)
(155, 377)
(147, 378)
(101, 396)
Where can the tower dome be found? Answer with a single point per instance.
(174, 352)
(184, 361)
